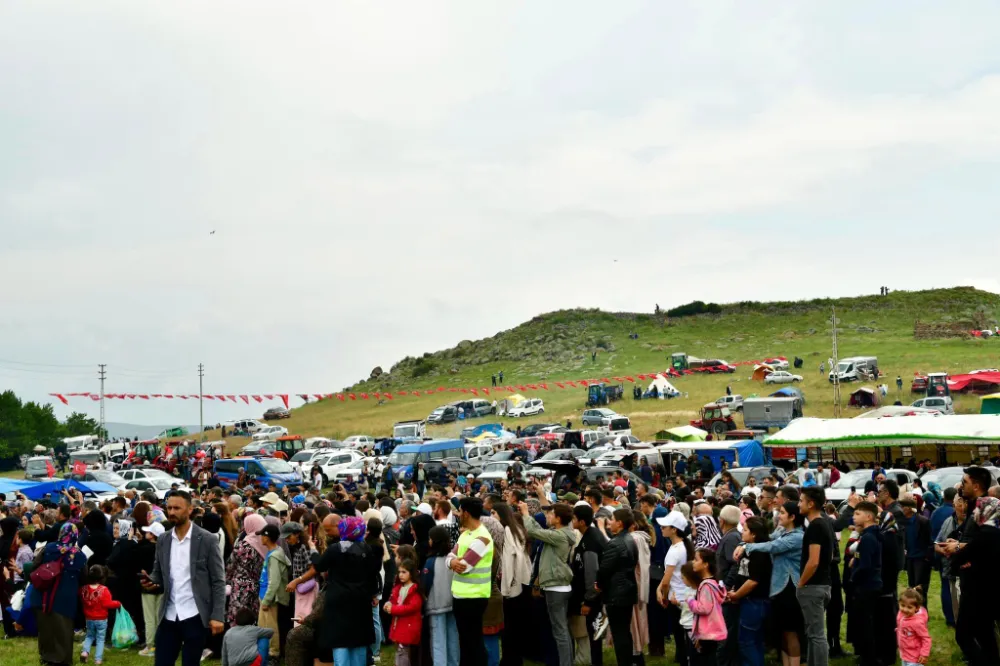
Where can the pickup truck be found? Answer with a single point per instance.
(733, 402)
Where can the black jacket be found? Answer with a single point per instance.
(616, 575)
(586, 563)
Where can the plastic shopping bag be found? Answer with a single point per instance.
(124, 634)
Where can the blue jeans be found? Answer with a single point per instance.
(752, 614)
(444, 639)
(376, 647)
(946, 608)
(492, 649)
(96, 631)
(349, 656)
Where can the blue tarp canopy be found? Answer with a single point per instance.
(750, 452)
(745, 453)
(37, 491)
(789, 392)
(10, 486)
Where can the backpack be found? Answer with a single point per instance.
(46, 576)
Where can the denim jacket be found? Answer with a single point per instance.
(786, 557)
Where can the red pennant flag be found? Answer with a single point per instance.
(401, 393)
(303, 396)
(352, 396)
(157, 395)
(318, 396)
(377, 395)
(80, 467)
(573, 384)
(269, 396)
(415, 393)
(50, 471)
(388, 396)
(340, 397)
(209, 397)
(258, 398)
(364, 396)
(509, 388)
(560, 385)
(582, 382)
(605, 380)
(486, 391)
(544, 386)
(61, 397)
(641, 377)
(168, 396)
(284, 399)
(474, 391)
(440, 389)
(182, 397)
(245, 399)
(630, 378)
(143, 397)
(231, 397)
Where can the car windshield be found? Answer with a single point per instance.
(156, 472)
(161, 484)
(502, 455)
(108, 477)
(302, 456)
(398, 458)
(36, 466)
(276, 466)
(496, 467)
(948, 477)
(554, 455)
(857, 478)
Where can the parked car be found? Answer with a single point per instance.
(919, 384)
(158, 485)
(733, 402)
(563, 454)
(950, 477)
(336, 460)
(456, 465)
(857, 478)
(143, 473)
(529, 407)
(268, 433)
(445, 414)
(535, 428)
(275, 413)
(38, 467)
(777, 363)
(304, 460)
(101, 476)
(599, 416)
(355, 468)
(782, 377)
(359, 442)
(943, 404)
(258, 448)
(474, 408)
(496, 471)
(248, 425)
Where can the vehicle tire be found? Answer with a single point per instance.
(718, 428)
(796, 380)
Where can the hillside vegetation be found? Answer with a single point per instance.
(559, 345)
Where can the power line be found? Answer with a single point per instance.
(47, 365)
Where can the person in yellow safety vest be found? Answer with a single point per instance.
(472, 562)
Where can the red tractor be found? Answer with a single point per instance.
(716, 420)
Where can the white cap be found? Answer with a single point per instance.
(673, 519)
(580, 503)
(425, 509)
(155, 529)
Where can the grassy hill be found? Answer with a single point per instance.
(559, 345)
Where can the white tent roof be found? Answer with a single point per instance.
(663, 386)
(898, 410)
(961, 429)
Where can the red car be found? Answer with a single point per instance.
(919, 384)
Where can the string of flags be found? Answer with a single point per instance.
(387, 395)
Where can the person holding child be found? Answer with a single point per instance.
(96, 600)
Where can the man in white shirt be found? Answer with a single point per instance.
(186, 554)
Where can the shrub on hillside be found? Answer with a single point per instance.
(694, 308)
(422, 367)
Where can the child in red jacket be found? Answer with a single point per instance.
(97, 602)
(404, 607)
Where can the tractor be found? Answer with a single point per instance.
(716, 420)
(601, 393)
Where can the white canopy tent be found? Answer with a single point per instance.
(969, 429)
(663, 387)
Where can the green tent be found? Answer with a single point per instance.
(685, 433)
(991, 404)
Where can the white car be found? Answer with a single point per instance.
(303, 460)
(495, 471)
(857, 478)
(777, 364)
(143, 473)
(332, 461)
(160, 486)
(942, 404)
(359, 442)
(528, 408)
(354, 470)
(268, 433)
(782, 377)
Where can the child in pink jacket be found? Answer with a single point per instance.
(709, 628)
(911, 629)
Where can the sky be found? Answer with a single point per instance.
(385, 179)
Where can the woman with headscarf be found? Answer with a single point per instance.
(706, 532)
(933, 497)
(975, 559)
(55, 608)
(347, 628)
(96, 537)
(243, 570)
(421, 525)
(124, 580)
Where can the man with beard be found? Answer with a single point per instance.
(185, 555)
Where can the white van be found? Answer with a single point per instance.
(854, 368)
(478, 454)
(943, 404)
(620, 425)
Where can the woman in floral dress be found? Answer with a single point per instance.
(243, 570)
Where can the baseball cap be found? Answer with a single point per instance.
(270, 531)
(155, 529)
(291, 527)
(571, 498)
(425, 509)
(673, 519)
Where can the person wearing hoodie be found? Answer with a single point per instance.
(617, 584)
(555, 576)
(709, 628)
(436, 582)
(273, 583)
(911, 629)
(586, 600)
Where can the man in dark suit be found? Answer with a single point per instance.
(186, 554)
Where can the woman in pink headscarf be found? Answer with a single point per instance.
(243, 570)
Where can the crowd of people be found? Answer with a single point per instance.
(497, 574)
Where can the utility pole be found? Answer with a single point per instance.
(102, 374)
(201, 399)
(833, 369)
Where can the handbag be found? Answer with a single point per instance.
(46, 576)
(306, 587)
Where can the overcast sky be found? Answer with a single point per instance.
(389, 178)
